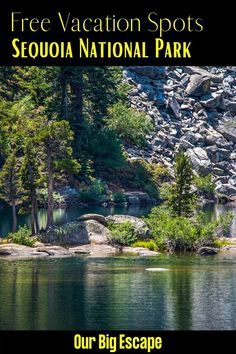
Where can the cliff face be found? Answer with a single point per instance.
(193, 109)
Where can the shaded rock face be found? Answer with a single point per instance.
(77, 233)
(201, 162)
(192, 108)
(140, 227)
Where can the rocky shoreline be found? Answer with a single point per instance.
(88, 236)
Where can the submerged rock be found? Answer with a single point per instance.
(203, 251)
(139, 251)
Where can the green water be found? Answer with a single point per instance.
(196, 293)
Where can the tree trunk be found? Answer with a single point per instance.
(34, 213)
(64, 99)
(78, 122)
(50, 188)
(14, 218)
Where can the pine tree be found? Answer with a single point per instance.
(10, 185)
(181, 198)
(56, 138)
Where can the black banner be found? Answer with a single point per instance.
(172, 342)
(78, 33)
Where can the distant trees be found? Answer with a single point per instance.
(36, 149)
(57, 121)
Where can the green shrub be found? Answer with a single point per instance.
(129, 124)
(22, 237)
(179, 233)
(165, 191)
(118, 197)
(205, 185)
(151, 245)
(94, 193)
(122, 234)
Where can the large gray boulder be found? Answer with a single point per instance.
(140, 227)
(228, 130)
(97, 217)
(211, 100)
(77, 233)
(200, 161)
(198, 85)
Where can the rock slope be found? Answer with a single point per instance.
(193, 109)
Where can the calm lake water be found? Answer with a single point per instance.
(196, 293)
(66, 215)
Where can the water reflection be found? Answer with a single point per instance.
(117, 293)
(66, 215)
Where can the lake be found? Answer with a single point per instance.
(71, 214)
(85, 293)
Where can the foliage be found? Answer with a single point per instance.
(205, 185)
(94, 193)
(10, 186)
(22, 237)
(105, 150)
(179, 233)
(182, 199)
(123, 234)
(224, 223)
(221, 243)
(151, 245)
(165, 191)
(129, 124)
(42, 195)
(139, 174)
(118, 197)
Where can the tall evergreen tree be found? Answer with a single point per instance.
(56, 138)
(182, 199)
